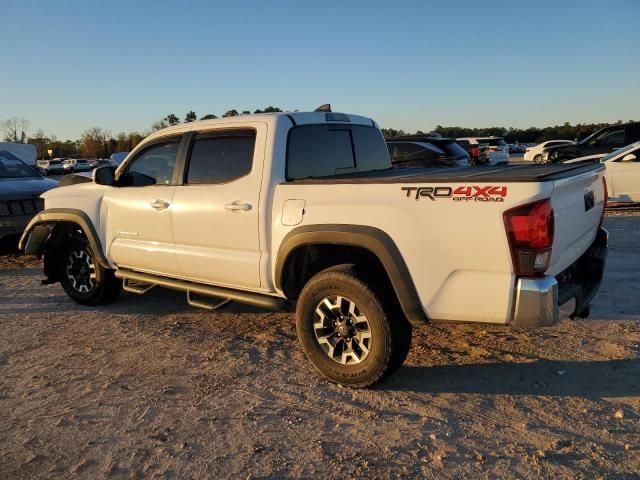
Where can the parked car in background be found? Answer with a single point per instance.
(622, 172)
(20, 189)
(100, 162)
(534, 154)
(498, 150)
(76, 165)
(604, 140)
(51, 167)
(419, 151)
(478, 153)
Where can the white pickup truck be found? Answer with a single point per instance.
(303, 210)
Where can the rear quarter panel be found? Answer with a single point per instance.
(456, 249)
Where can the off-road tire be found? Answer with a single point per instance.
(390, 332)
(103, 287)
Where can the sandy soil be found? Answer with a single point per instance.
(151, 388)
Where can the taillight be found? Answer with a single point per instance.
(530, 231)
(606, 200)
(475, 152)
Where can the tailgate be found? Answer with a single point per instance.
(578, 203)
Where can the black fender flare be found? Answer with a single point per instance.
(372, 239)
(37, 232)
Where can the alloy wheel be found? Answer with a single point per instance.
(341, 330)
(81, 271)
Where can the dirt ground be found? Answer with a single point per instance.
(151, 388)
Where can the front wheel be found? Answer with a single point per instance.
(83, 279)
(350, 336)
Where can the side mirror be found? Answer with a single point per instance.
(104, 175)
(630, 157)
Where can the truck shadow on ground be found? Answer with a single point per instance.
(590, 379)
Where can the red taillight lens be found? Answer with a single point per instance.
(475, 152)
(530, 231)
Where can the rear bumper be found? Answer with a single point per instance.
(540, 302)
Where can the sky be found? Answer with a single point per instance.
(121, 65)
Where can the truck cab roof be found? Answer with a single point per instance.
(293, 118)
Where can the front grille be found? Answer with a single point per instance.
(15, 208)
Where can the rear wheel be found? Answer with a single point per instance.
(83, 279)
(350, 335)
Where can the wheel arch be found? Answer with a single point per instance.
(359, 238)
(42, 228)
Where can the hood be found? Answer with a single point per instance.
(19, 188)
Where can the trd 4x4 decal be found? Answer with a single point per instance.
(467, 193)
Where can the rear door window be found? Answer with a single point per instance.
(221, 157)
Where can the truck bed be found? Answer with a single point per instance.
(497, 173)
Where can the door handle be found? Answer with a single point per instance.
(238, 206)
(160, 205)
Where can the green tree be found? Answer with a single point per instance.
(208, 116)
(269, 109)
(231, 113)
(190, 117)
(172, 119)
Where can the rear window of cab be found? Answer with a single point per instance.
(324, 150)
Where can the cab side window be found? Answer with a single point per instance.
(153, 166)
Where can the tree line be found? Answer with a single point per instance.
(97, 142)
(565, 131)
(191, 116)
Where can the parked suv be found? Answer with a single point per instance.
(20, 190)
(51, 167)
(414, 151)
(76, 165)
(604, 140)
(478, 153)
(498, 149)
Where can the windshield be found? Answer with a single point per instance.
(620, 151)
(12, 167)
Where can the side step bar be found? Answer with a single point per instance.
(249, 298)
